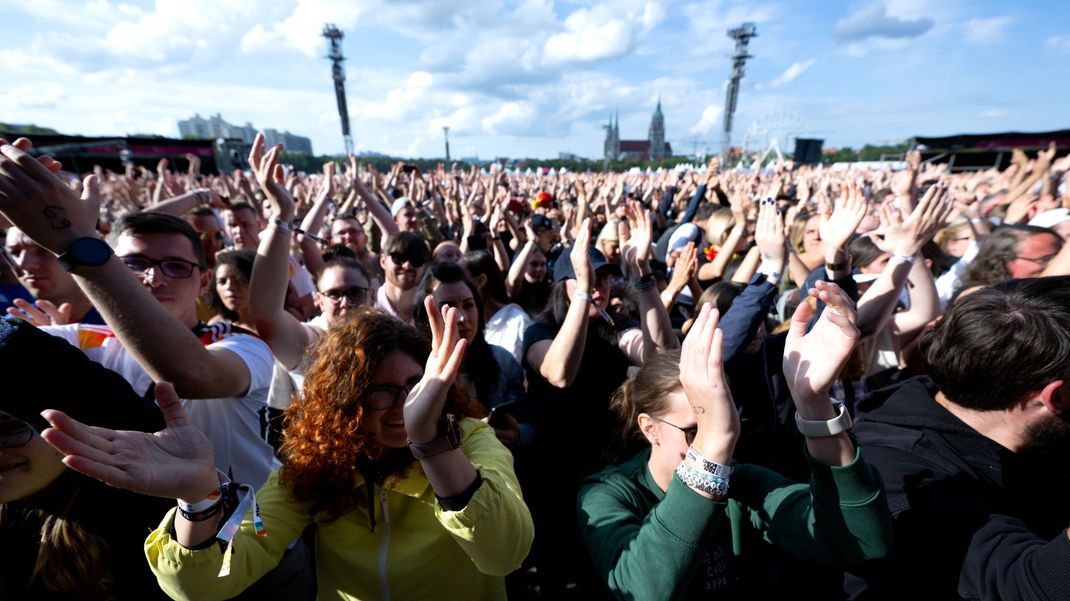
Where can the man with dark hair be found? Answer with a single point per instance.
(243, 225)
(42, 275)
(403, 260)
(975, 459)
(146, 287)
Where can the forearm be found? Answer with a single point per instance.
(501, 258)
(179, 205)
(924, 301)
(167, 349)
(654, 318)
(313, 221)
(517, 269)
(267, 298)
(561, 364)
(748, 266)
(876, 306)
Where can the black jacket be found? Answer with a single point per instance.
(972, 519)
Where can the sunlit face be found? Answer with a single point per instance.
(448, 251)
(26, 469)
(41, 272)
(877, 265)
(346, 285)
(667, 443)
(232, 288)
(407, 220)
(599, 294)
(536, 269)
(959, 242)
(243, 228)
(400, 270)
(177, 295)
(351, 234)
(812, 235)
(1034, 253)
(386, 427)
(459, 296)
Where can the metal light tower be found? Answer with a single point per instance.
(742, 36)
(334, 38)
(446, 133)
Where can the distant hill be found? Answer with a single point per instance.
(26, 129)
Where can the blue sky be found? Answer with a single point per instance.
(532, 78)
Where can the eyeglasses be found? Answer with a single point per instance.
(13, 431)
(1037, 260)
(689, 433)
(400, 258)
(172, 268)
(354, 294)
(385, 396)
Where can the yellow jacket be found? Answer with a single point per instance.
(417, 551)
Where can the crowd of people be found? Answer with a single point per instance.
(713, 383)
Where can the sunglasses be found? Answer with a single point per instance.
(13, 431)
(385, 396)
(400, 258)
(172, 268)
(689, 433)
(354, 294)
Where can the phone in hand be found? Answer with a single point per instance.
(496, 417)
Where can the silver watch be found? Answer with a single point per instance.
(824, 429)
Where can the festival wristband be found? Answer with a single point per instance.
(247, 499)
(713, 468)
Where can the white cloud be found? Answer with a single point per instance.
(789, 75)
(711, 119)
(1059, 42)
(709, 20)
(36, 96)
(993, 113)
(873, 21)
(987, 31)
(604, 31)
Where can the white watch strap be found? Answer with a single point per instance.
(825, 429)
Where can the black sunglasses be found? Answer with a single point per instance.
(354, 294)
(13, 431)
(689, 433)
(172, 268)
(400, 258)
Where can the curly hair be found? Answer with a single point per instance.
(326, 451)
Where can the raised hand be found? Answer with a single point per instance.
(41, 204)
(581, 259)
(175, 463)
(423, 407)
(839, 224)
(636, 247)
(907, 236)
(813, 360)
(271, 177)
(43, 313)
(703, 381)
(769, 236)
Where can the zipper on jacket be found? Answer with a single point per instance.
(383, 583)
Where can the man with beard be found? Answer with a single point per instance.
(975, 459)
(403, 258)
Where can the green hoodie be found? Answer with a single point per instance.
(651, 545)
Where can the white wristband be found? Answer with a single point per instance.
(903, 257)
(822, 428)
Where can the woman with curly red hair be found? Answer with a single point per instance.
(412, 497)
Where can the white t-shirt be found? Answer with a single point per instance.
(506, 329)
(237, 426)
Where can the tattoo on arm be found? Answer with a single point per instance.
(56, 221)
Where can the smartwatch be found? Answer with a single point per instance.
(825, 429)
(449, 438)
(91, 252)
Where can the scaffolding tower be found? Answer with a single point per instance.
(334, 38)
(742, 36)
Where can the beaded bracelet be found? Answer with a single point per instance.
(714, 469)
(694, 478)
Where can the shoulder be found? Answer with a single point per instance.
(616, 480)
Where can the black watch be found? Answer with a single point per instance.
(91, 252)
(449, 438)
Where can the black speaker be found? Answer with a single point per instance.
(807, 151)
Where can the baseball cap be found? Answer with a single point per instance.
(687, 232)
(541, 222)
(400, 204)
(563, 265)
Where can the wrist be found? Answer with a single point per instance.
(208, 486)
(816, 407)
(718, 449)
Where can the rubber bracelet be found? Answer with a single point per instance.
(280, 224)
